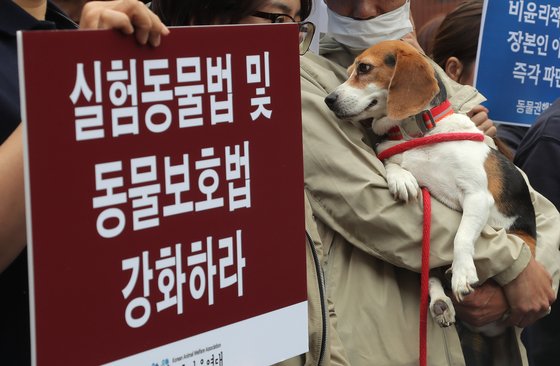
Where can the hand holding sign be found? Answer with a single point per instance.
(128, 16)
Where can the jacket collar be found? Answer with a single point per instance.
(337, 52)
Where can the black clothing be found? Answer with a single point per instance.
(511, 135)
(538, 156)
(14, 296)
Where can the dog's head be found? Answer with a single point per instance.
(389, 79)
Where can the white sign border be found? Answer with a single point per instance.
(286, 327)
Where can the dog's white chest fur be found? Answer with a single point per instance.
(447, 169)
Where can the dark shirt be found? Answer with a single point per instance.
(511, 135)
(538, 156)
(14, 298)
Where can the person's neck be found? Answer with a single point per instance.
(36, 8)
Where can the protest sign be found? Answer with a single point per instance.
(518, 59)
(165, 196)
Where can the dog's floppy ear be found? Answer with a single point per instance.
(413, 84)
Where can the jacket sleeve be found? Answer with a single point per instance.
(548, 236)
(348, 192)
(321, 308)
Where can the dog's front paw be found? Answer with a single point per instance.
(464, 277)
(402, 184)
(442, 311)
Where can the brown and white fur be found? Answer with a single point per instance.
(391, 83)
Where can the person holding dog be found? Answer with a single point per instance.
(372, 274)
(129, 16)
(324, 345)
(373, 243)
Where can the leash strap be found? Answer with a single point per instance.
(426, 227)
(428, 140)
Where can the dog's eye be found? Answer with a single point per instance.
(364, 68)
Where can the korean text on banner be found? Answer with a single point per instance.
(518, 58)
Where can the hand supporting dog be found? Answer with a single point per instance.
(529, 295)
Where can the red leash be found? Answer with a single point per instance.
(424, 276)
(428, 140)
(426, 227)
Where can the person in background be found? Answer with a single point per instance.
(372, 243)
(427, 32)
(537, 155)
(455, 44)
(194, 12)
(324, 345)
(129, 16)
(455, 48)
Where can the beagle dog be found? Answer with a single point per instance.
(394, 86)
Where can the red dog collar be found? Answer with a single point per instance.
(429, 118)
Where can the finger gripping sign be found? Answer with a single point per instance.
(164, 189)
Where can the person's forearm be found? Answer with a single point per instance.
(12, 200)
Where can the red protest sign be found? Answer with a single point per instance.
(165, 196)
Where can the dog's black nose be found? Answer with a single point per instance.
(330, 100)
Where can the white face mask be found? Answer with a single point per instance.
(362, 34)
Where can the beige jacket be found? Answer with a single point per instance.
(372, 242)
(325, 347)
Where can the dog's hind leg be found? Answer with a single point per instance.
(476, 209)
(441, 307)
